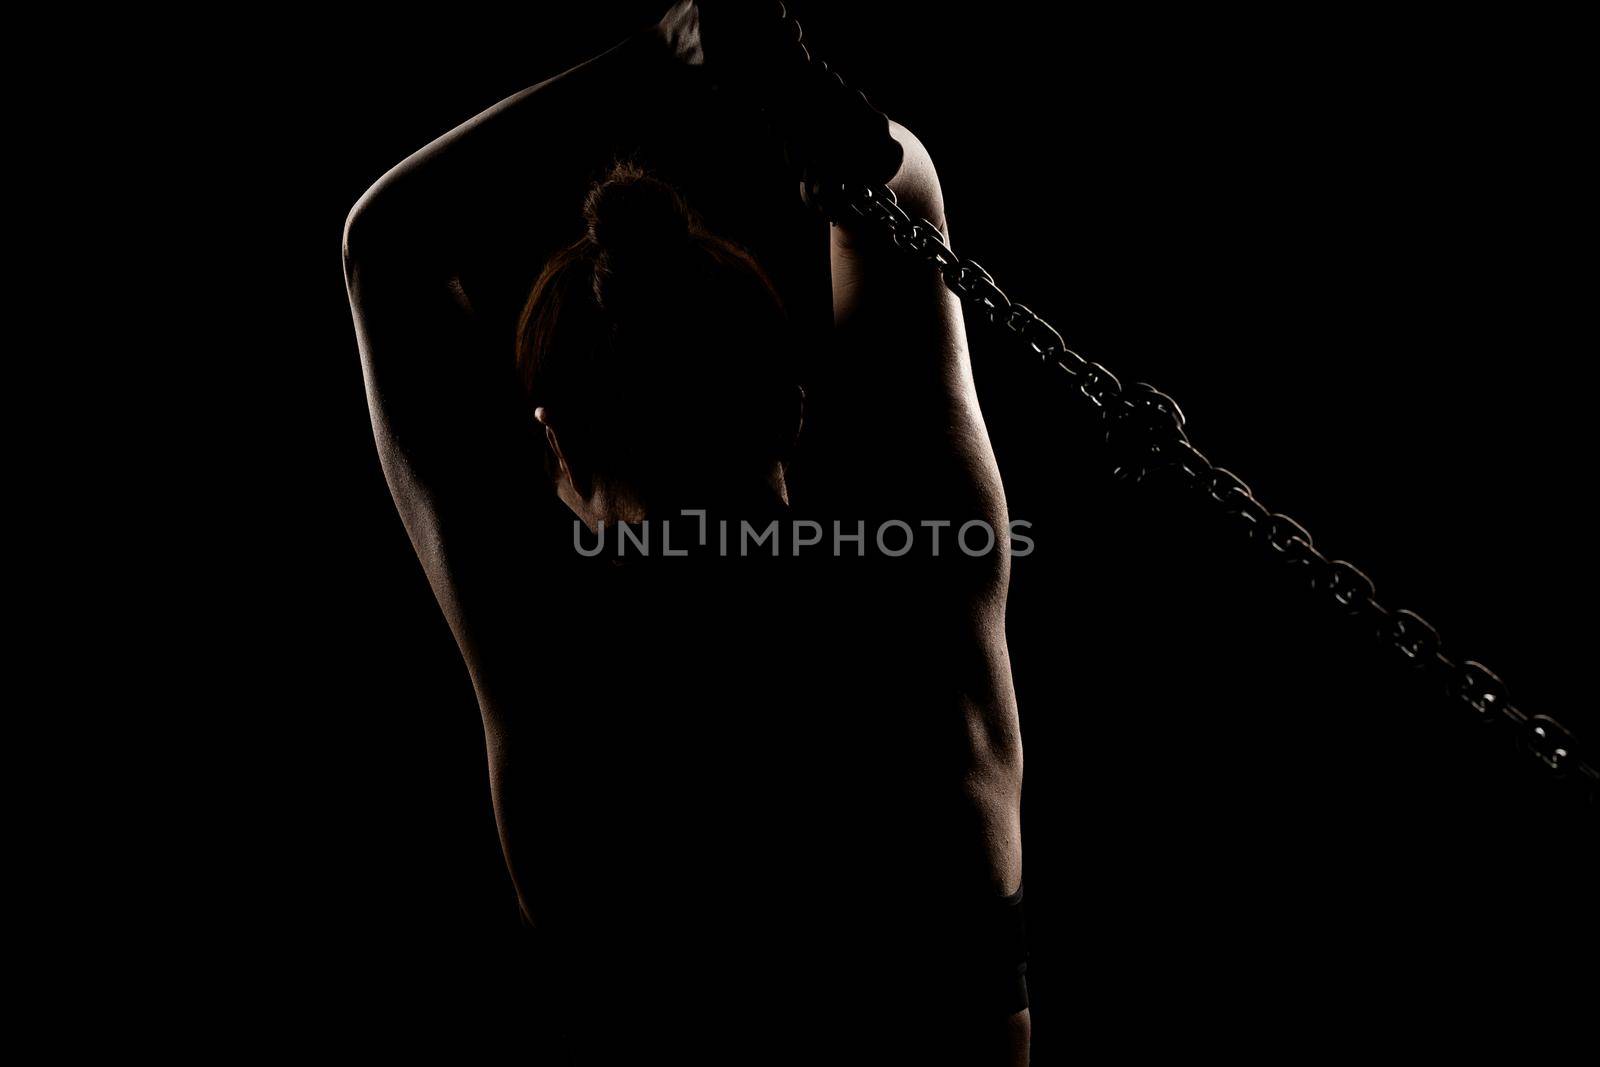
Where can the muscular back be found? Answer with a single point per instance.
(814, 756)
(748, 766)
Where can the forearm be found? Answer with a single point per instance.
(430, 210)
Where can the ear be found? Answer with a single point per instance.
(798, 401)
(580, 484)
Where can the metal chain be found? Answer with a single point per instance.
(1148, 443)
(1144, 432)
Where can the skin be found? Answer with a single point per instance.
(597, 500)
(874, 297)
(411, 255)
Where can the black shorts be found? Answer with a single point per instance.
(966, 959)
(988, 954)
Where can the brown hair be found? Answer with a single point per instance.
(659, 350)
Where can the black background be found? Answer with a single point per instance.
(1351, 244)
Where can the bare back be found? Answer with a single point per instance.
(809, 751)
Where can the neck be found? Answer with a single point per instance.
(761, 495)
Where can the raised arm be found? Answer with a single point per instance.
(904, 369)
(438, 256)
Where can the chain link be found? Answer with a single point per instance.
(1145, 435)
(1148, 444)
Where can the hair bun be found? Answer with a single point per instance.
(630, 213)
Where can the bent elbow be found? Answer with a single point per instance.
(385, 225)
(361, 228)
(916, 186)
